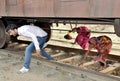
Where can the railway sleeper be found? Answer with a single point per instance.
(111, 68)
(71, 60)
(66, 56)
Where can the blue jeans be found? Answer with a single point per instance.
(30, 48)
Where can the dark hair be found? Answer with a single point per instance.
(68, 36)
(11, 26)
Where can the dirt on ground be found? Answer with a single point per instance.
(11, 63)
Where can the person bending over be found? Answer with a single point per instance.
(83, 35)
(38, 36)
(103, 46)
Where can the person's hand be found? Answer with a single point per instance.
(73, 43)
(38, 53)
(81, 63)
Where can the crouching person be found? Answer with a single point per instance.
(38, 37)
(103, 46)
(83, 35)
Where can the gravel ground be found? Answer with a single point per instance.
(11, 63)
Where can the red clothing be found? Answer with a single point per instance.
(104, 44)
(83, 36)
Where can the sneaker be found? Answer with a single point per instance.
(45, 45)
(23, 70)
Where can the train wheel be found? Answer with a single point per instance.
(117, 27)
(4, 37)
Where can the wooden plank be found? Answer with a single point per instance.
(84, 74)
(89, 63)
(111, 68)
(69, 59)
(58, 55)
(92, 75)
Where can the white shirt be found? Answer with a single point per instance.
(32, 32)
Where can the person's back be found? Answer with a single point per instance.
(103, 44)
(83, 36)
(37, 31)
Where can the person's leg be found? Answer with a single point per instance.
(28, 53)
(46, 55)
(41, 42)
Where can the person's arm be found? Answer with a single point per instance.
(75, 41)
(85, 56)
(36, 43)
(34, 39)
(73, 30)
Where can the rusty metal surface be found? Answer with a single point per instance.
(117, 27)
(88, 8)
(60, 8)
(29, 8)
(43, 8)
(2, 7)
(14, 8)
(72, 8)
(101, 8)
(2, 34)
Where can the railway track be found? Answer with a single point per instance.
(69, 58)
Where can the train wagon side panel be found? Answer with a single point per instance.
(116, 8)
(2, 7)
(60, 8)
(28, 8)
(87, 8)
(14, 8)
(39, 8)
(102, 8)
(72, 8)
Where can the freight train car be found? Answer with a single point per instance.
(45, 12)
